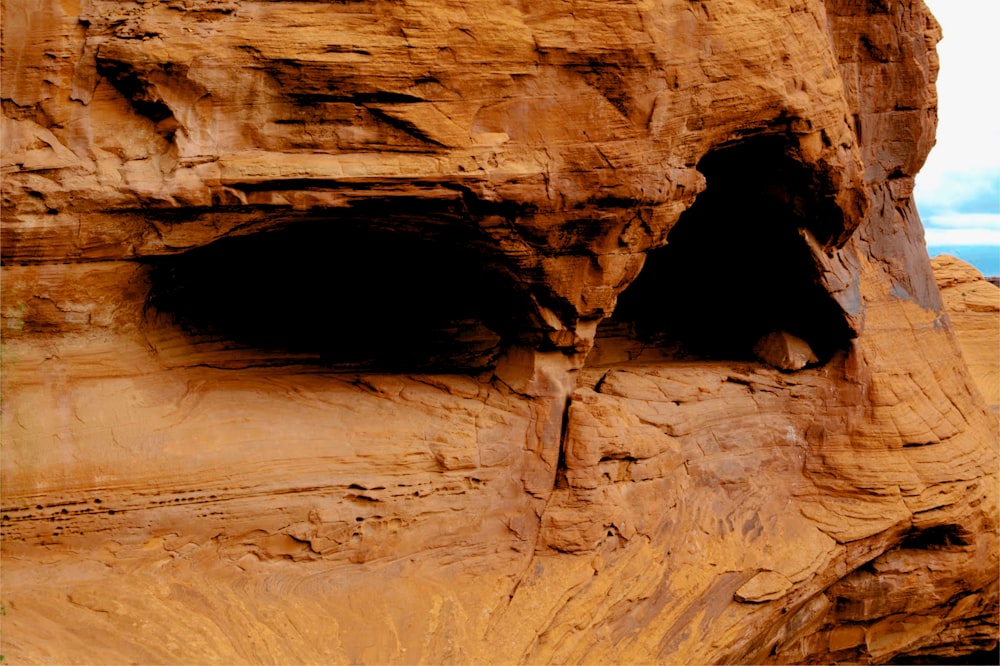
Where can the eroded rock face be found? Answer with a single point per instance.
(423, 331)
(973, 306)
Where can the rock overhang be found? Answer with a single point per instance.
(575, 156)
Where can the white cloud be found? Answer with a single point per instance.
(963, 229)
(962, 237)
(980, 221)
(962, 173)
(959, 189)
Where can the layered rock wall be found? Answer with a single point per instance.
(394, 331)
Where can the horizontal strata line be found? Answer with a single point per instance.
(401, 491)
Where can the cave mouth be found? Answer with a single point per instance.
(344, 294)
(736, 266)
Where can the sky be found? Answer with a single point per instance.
(958, 189)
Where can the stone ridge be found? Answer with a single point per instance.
(405, 331)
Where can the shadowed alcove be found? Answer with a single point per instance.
(342, 293)
(736, 266)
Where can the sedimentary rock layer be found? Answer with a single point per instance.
(408, 331)
(973, 305)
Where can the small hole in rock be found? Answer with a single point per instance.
(939, 537)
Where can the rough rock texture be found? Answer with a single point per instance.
(408, 331)
(784, 351)
(973, 305)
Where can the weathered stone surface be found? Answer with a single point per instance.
(765, 586)
(973, 306)
(411, 331)
(784, 351)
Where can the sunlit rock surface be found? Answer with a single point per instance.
(973, 304)
(413, 331)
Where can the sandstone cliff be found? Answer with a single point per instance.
(973, 305)
(408, 331)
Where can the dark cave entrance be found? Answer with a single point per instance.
(735, 267)
(348, 294)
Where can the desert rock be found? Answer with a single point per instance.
(784, 351)
(376, 332)
(973, 305)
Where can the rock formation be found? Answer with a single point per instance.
(408, 331)
(973, 305)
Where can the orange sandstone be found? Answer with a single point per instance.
(412, 331)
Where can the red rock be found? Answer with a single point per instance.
(973, 306)
(397, 332)
(785, 351)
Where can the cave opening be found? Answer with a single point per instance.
(346, 294)
(736, 266)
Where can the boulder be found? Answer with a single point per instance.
(784, 351)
